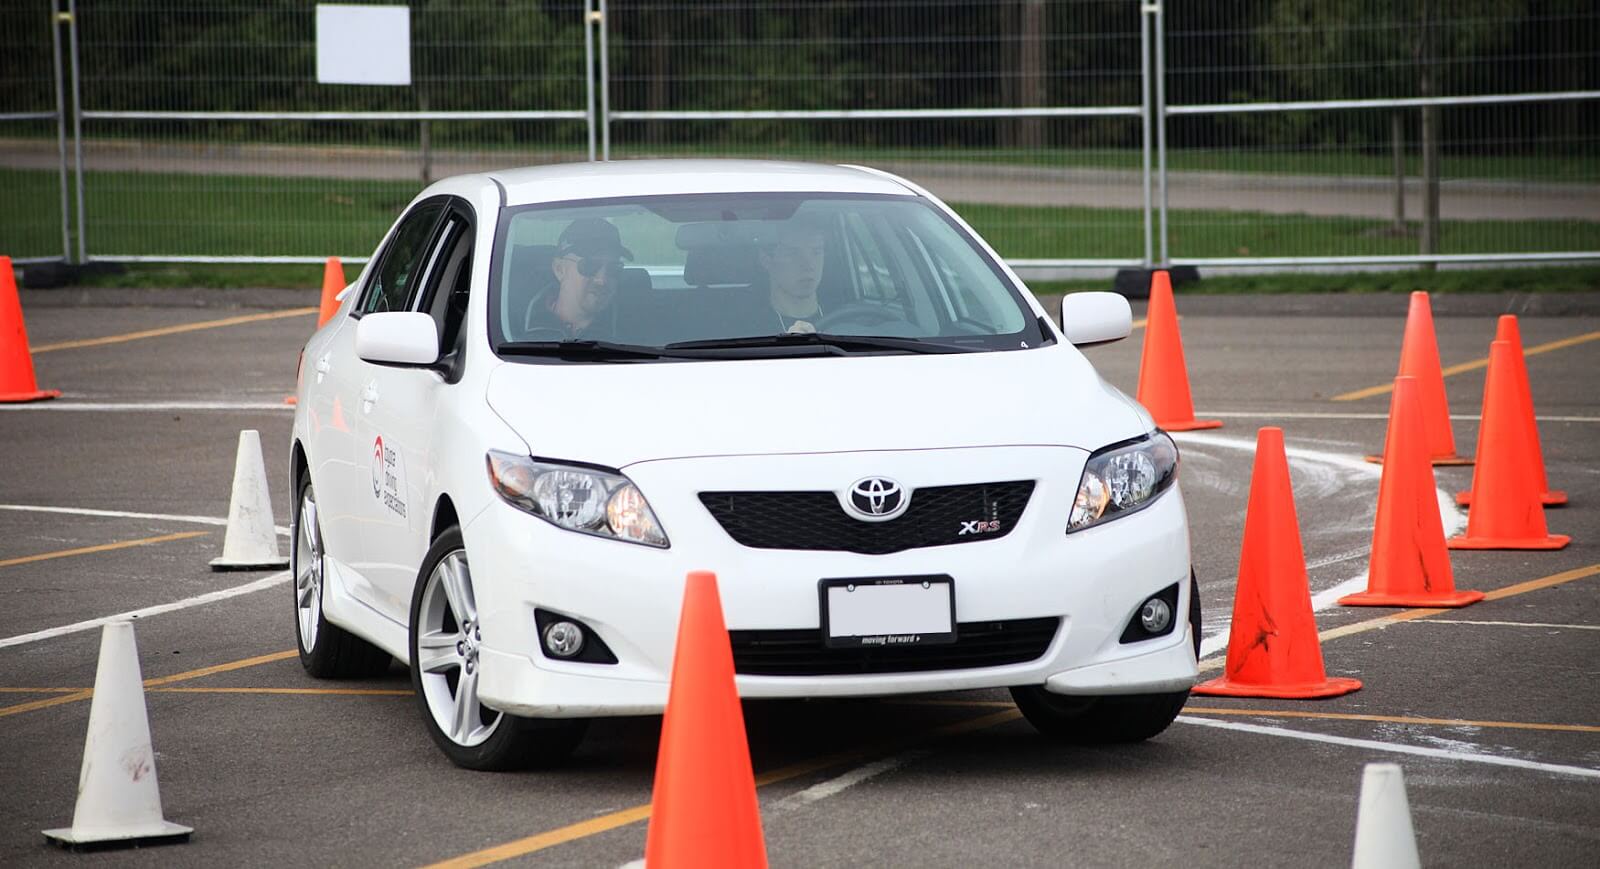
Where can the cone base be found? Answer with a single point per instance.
(218, 564)
(1553, 541)
(1224, 687)
(166, 834)
(1552, 498)
(1420, 599)
(1189, 424)
(1451, 460)
(35, 395)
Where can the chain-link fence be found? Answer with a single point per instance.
(1071, 133)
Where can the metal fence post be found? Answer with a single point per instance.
(589, 15)
(57, 18)
(605, 86)
(77, 120)
(1161, 123)
(1144, 116)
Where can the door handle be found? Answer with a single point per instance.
(369, 396)
(322, 367)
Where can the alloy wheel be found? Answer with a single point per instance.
(448, 637)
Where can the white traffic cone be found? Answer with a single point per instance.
(1384, 838)
(119, 800)
(252, 540)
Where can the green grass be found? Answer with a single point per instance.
(1552, 279)
(173, 214)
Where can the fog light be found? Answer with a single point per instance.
(563, 639)
(1155, 615)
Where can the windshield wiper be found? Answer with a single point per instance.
(846, 343)
(585, 350)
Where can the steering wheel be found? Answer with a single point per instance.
(860, 314)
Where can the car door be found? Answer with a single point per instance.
(397, 420)
(344, 486)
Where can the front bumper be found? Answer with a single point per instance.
(630, 595)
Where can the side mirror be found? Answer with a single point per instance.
(1095, 318)
(397, 338)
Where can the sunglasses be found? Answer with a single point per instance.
(591, 266)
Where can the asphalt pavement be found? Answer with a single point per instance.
(112, 498)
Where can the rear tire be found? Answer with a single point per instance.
(327, 651)
(445, 636)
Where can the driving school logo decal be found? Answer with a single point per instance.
(388, 477)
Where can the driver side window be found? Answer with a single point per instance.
(395, 283)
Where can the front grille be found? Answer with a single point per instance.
(978, 644)
(815, 520)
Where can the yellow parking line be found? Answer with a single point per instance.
(86, 693)
(1216, 662)
(634, 814)
(320, 692)
(1473, 365)
(173, 330)
(103, 547)
(40, 690)
(1390, 719)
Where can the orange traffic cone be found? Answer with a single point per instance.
(332, 285)
(1419, 358)
(1163, 377)
(703, 811)
(1506, 513)
(1273, 649)
(1410, 565)
(1507, 330)
(16, 363)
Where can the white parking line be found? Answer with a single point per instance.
(283, 530)
(1396, 748)
(198, 600)
(832, 786)
(150, 406)
(1501, 624)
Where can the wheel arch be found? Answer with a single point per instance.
(444, 516)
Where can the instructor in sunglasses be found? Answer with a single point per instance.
(587, 268)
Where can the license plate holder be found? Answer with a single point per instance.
(887, 611)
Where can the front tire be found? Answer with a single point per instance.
(445, 637)
(1110, 718)
(327, 651)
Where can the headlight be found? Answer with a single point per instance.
(586, 500)
(1123, 478)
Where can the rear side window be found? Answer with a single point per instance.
(394, 286)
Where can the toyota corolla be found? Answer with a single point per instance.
(552, 392)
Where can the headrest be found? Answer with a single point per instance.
(528, 268)
(693, 236)
(721, 265)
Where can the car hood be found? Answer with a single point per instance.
(621, 413)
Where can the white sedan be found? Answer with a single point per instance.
(552, 392)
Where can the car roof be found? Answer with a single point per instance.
(573, 181)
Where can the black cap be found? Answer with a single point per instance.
(591, 236)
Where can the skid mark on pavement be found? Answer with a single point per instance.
(1390, 719)
(1396, 748)
(102, 547)
(1325, 464)
(172, 330)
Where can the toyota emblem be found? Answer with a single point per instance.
(877, 499)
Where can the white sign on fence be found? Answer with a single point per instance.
(363, 44)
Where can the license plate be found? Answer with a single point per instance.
(888, 611)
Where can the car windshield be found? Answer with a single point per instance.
(746, 275)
